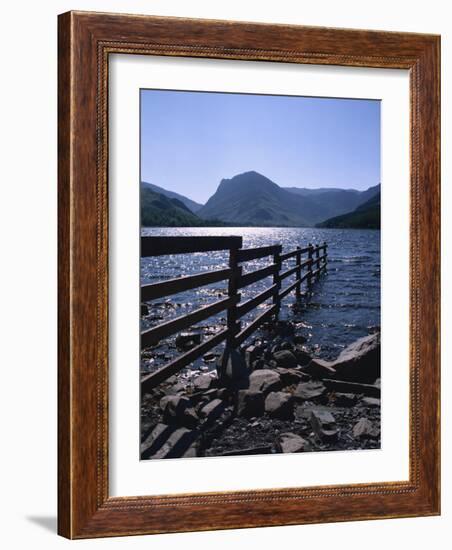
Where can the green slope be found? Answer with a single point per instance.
(157, 210)
(365, 216)
(191, 205)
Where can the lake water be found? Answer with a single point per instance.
(345, 303)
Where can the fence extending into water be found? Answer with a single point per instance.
(310, 263)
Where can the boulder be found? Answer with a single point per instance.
(232, 370)
(285, 358)
(204, 382)
(324, 424)
(360, 361)
(265, 381)
(250, 403)
(319, 368)
(212, 410)
(188, 340)
(177, 409)
(309, 390)
(290, 376)
(178, 387)
(291, 443)
(364, 428)
(202, 397)
(279, 405)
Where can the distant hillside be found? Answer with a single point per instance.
(253, 199)
(191, 205)
(331, 202)
(157, 210)
(365, 216)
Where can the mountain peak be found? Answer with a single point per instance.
(246, 181)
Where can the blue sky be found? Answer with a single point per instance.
(192, 140)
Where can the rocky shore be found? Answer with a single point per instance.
(273, 396)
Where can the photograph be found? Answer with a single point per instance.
(259, 273)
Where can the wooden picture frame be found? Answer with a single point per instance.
(86, 40)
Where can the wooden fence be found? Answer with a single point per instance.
(310, 262)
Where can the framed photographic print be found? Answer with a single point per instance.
(248, 275)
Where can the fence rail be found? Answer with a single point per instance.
(305, 270)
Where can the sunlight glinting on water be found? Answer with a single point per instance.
(345, 303)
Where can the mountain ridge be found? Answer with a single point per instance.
(158, 210)
(252, 199)
(192, 205)
(366, 216)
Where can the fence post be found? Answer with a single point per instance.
(298, 275)
(310, 266)
(317, 261)
(233, 324)
(325, 259)
(277, 280)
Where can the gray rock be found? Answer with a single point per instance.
(178, 387)
(204, 382)
(285, 358)
(370, 402)
(309, 390)
(291, 443)
(203, 397)
(319, 368)
(174, 404)
(290, 376)
(177, 409)
(360, 362)
(265, 381)
(188, 340)
(279, 405)
(324, 424)
(212, 410)
(250, 403)
(364, 428)
(170, 442)
(232, 370)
